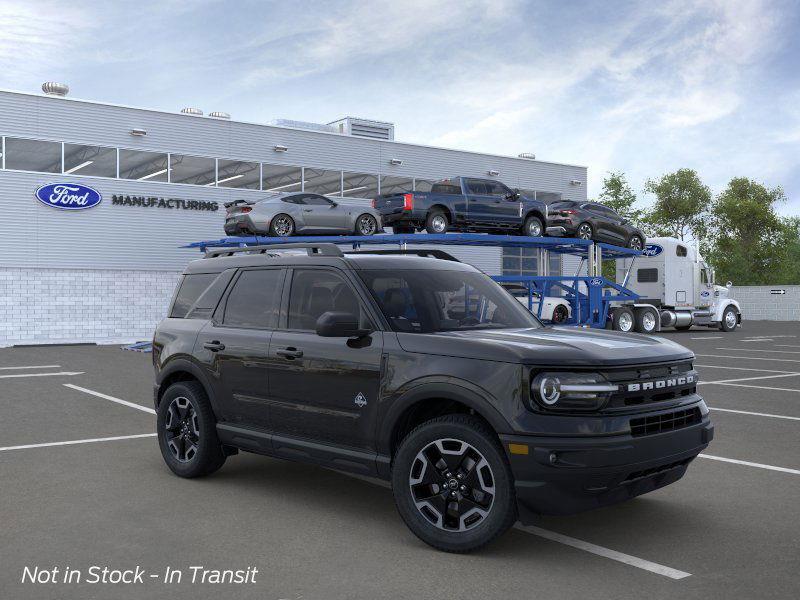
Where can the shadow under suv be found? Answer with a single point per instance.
(421, 371)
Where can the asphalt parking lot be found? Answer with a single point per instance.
(729, 529)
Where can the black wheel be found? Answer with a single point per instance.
(436, 222)
(623, 320)
(635, 243)
(584, 231)
(645, 321)
(452, 484)
(729, 319)
(403, 229)
(366, 224)
(187, 433)
(533, 227)
(281, 226)
(560, 314)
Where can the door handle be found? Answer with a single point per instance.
(308, 210)
(214, 346)
(290, 353)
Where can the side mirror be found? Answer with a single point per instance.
(334, 204)
(340, 324)
(729, 285)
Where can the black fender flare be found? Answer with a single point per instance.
(186, 365)
(441, 388)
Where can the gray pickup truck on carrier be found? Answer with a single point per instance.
(464, 204)
(421, 371)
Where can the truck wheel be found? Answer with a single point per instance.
(187, 431)
(281, 226)
(645, 321)
(623, 320)
(453, 485)
(560, 314)
(729, 319)
(436, 222)
(533, 227)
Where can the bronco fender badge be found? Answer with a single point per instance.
(361, 400)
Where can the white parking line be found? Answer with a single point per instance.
(739, 379)
(15, 375)
(639, 563)
(31, 367)
(786, 346)
(708, 337)
(750, 464)
(758, 340)
(758, 387)
(742, 369)
(753, 350)
(111, 398)
(72, 442)
(791, 360)
(566, 540)
(755, 414)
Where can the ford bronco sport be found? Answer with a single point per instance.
(421, 371)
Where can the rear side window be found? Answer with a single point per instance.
(315, 292)
(254, 300)
(446, 187)
(647, 275)
(191, 287)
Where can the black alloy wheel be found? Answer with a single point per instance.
(584, 231)
(182, 429)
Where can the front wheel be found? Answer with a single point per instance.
(729, 319)
(366, 225)
(452, 484)
(533, 227)
(635, 243)
(584, 231)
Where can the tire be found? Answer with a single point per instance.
(636, 243)
(584, 232)
(482, 515)
(560, 314)
(645, 321)
(623, 320)
(403, 229)
(729, 320)
(533, 227)
(188, 400)
(366, 225)
(436, 222)
(281, 225)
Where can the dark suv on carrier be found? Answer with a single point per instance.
(422, 371)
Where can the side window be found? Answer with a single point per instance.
(495, 188)
(188, 293)
(647, 275)
(316, 291)
(446, 187)
(704, 276)
(315, 200)
(476, 186)
(681, 250)
(254, 300)
(299, 199)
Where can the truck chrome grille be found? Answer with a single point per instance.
(665, 422)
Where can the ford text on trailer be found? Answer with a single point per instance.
(676, 289)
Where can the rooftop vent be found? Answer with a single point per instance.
(192, 111)
(303, 125)
(377, 130)
(51, 88)
(527, 155)
(219, 115)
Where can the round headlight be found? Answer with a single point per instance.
(550, 390)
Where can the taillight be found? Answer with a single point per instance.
(568, 212)
(373, 203)
(408, 201)
(246, 209)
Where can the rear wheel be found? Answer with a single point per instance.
(635, 243)
(281, 226)
(452, 484)
(187, 431)
(533, 227)
(560, 314)
(436, 222)
(623, 320)
(645, 321)
(729, 319)
(366, 224)
(584, 231)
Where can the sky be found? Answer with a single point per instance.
(639, 87)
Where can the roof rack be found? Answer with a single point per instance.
(313, 249)
(424, 252)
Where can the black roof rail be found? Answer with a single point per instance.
(313, 249)
(424, 252)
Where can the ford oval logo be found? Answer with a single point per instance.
(705, 294)
(596, 282)
(68, 196)
(652, 250)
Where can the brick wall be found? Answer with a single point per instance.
(49, 306)
(759, 304)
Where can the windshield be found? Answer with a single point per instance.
(430, 301)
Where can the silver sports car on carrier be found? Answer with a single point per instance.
(286, 214)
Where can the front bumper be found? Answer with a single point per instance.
(566, 475)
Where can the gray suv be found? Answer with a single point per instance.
(287, 214)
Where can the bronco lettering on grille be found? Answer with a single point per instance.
(660, 384)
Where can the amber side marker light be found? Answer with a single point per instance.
(518, 448)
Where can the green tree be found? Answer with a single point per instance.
(681, 205)
(749, 243)
(618, 195)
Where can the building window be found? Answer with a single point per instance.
(320, 181)
(396, 185)
(96, 161)
(359, 185)
(194, 170)
(143, 166)
(33, 155)
(237, 174)
(280, 178)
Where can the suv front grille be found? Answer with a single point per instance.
(649, 384)
(665, 422)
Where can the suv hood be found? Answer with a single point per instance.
(548, 346)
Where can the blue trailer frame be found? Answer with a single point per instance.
(590, 296)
